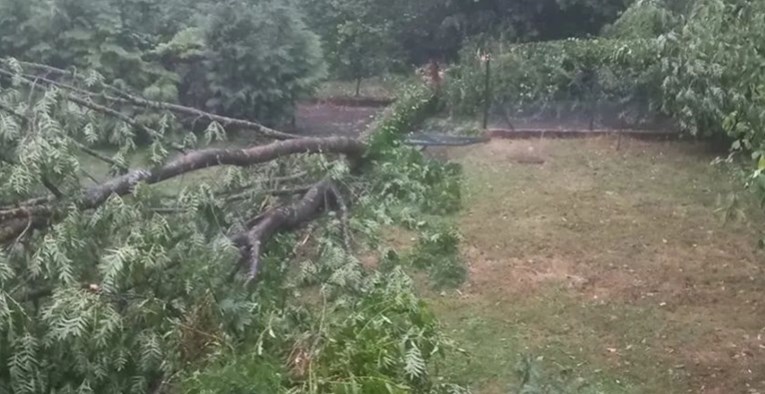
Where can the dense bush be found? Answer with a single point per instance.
(541, 76)
(260, 57)
(700, 62)
(713, 71)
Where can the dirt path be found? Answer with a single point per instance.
(612, 267)
(323, 119)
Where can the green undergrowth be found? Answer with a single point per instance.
(438, 253)
(435, 253)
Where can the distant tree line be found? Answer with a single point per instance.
(365, 37)
(236, 57)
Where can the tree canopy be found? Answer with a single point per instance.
(413, 32)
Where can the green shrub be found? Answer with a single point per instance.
(437, 252)
(713, 72)
(240, 58)
(260, 58)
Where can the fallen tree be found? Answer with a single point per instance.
(130, 245)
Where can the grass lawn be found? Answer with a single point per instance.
(612, 269)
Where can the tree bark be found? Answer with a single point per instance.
(214, 157)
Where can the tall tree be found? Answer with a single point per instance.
(259, 58)
(358, 36)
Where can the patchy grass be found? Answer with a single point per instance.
(612, 268)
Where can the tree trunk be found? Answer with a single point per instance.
(358, 86)
(13, 221)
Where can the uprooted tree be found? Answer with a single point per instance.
(140, 244)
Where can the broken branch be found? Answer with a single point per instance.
(282, 219)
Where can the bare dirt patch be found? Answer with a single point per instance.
(515, 277)
(522, 152)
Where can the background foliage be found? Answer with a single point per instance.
(414, 32)
(202, 53)
(540, 78)
(699, 62)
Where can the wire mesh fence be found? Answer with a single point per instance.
(577, 115)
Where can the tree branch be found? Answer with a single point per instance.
(214, 157)
(87, 103)
(124, 184)
(270, 223)
(82, 147)
(51, 187)
(60, 71)
(224, 120)
(273, 192)
(102, 157)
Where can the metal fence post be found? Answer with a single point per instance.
(487, 92)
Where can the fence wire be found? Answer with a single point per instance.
(577, 115)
